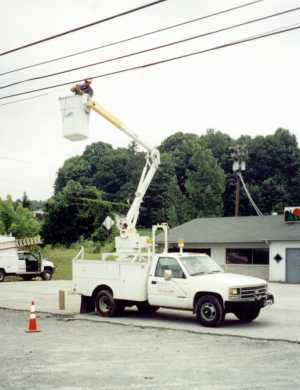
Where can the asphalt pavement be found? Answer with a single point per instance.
(83, 355)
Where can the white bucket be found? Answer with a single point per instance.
(75, 117)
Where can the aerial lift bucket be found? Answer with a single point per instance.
(75, 117)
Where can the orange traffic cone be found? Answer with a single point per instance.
(32, 324)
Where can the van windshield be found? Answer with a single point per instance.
(198, 265)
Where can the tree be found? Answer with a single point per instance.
(18, 222)
(197, 173)
(205, 185)
(163, 196)
(24, 225)
(7, 213)
(25, 201)
(273, 172)
(76, 169)
(220, 145)
(75, 212)
(181, 146)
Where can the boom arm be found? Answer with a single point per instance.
(127, 224)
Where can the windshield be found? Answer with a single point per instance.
(197, 265)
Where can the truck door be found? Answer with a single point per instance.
(21, 263)
(32, 263)
(169, 293)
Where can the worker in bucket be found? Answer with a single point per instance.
(83, 87)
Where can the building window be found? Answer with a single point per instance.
(206, 251)
(261, 256)
(238, 256)
(247, 256)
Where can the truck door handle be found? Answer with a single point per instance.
(153, 282)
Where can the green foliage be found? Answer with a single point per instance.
(26, 203)
(76, 169)
(2, 227)
(161, 198)
(17, 220)
(75, 212)
(24, 225)
(194, 179)
(37, 205)
(205, 185)
(200, 179)
(273, 172)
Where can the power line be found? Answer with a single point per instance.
(134, 37)
(150, 49)
(258, 212)
(82, 27)
(225, 45)
(23, 100)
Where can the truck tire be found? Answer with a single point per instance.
(2, 275)
(145, 308)
(46, 275)
(247, 315)
(106, 306)
(209, 311)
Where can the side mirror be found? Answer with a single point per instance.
(168, 274)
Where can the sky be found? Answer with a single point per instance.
(250, 89)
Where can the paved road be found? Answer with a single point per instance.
(280, 322)
(84, 355)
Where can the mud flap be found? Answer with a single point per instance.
(87, 304)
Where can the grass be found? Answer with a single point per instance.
(62, 257)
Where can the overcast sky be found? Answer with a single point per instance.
(249, 89)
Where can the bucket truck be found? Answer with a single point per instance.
(135, 275)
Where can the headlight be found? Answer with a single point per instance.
(234, 292)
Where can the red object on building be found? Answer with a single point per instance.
(296, 212)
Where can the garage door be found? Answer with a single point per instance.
(293, 265)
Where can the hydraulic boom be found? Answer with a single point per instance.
(127, 225)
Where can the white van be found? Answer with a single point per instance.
(14, 262)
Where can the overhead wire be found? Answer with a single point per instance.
(166, 60)
(150, 49)
(258, 212)
(23, 100)
(133, 37)
(82, 27)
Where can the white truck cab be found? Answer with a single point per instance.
(172, 280)
(23, 263)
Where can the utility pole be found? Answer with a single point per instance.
(238, 156)
(237, 197)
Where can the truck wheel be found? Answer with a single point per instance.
(2, 275)
(145, 308)
(247, 315)
(209, 311)
(106, 306)
(46, 275)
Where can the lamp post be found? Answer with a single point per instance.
(238, 156)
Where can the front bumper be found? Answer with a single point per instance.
(257, 303)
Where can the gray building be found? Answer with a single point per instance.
(265, 247)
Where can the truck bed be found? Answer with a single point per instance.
(127, 280)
